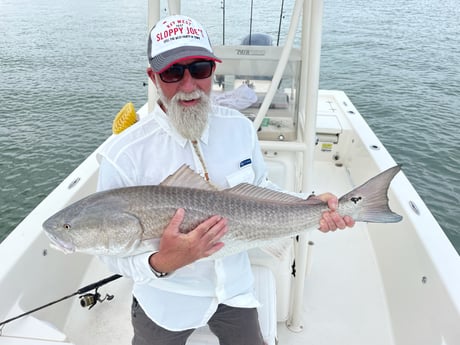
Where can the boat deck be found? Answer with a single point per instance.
(334, 310)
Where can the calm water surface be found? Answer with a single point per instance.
(67, 67)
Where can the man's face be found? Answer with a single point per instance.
(187, 101)
(187, 84)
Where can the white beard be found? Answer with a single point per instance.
(189, 121)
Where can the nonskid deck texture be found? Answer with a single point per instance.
(344, 299)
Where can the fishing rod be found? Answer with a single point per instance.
(223, 21)
(279, 26)
(87, 299)
(250, 23)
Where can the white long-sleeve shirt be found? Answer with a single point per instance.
(148, 152)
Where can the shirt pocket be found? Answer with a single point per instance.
(244, 175)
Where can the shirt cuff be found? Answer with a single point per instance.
(147, 270)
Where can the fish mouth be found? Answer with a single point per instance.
(61, 245)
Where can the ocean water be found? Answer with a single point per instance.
(67, 67)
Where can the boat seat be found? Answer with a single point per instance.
(265, 291)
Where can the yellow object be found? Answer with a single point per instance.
(125, 118)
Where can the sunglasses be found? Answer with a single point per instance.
(197, 69)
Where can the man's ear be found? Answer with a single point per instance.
(151, 75)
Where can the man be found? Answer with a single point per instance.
(176, 292)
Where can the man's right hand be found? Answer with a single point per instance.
(178, 249)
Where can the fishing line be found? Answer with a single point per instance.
(86, 299)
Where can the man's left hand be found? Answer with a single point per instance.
(331, 219)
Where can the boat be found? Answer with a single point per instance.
(373, 284)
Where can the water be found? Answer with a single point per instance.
(399, 63)
(67, 67)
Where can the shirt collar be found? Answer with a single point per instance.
(163, 120)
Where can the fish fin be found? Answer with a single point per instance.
(313, 200)
(370, 200)
(186, 177)
(265, 194)
(277, 248)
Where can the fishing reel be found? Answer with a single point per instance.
(90, 299)
(86, 299)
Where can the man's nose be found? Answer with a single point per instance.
(188, 83)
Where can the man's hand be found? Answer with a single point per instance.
(178, 249)
(331, 220)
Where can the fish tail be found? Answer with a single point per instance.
(369, 202)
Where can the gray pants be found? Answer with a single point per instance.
(233, 326)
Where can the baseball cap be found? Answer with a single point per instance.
(176, 38)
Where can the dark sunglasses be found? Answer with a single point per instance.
(197, 69)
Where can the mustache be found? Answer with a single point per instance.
(188, 96)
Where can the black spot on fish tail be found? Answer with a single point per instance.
(355, 199)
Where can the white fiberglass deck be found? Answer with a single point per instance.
(344, 298)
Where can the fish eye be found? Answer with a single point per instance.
(67, 226)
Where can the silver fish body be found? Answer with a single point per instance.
(127, 221)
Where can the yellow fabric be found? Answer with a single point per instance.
(126, 117)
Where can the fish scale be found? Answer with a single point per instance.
(124, 221)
